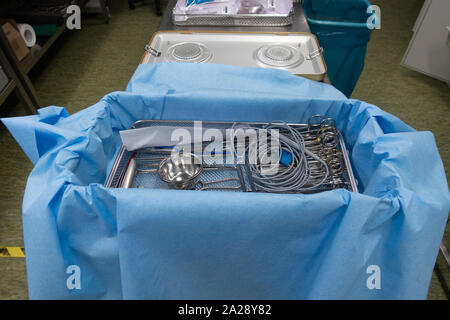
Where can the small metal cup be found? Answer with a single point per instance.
(251, 7)
(180, 171)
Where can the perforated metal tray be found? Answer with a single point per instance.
(238, 20)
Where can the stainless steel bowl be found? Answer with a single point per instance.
(180, 171)
(250, 7)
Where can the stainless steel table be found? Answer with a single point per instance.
(300, 25)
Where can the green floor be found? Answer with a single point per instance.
(86, 64)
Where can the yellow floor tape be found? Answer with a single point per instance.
(12, 252)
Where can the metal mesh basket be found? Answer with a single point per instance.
(235, 20)
(227, 177)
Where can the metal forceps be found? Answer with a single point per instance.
(320, 122)
(206, 185)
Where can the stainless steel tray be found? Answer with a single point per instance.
(251, 20)
(146, 177)
(298, 53)
(234, 13)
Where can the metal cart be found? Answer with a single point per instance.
(299, 25)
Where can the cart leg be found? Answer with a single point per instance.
(23, 97)
(445, 253)
(105, 10)
(158, 7)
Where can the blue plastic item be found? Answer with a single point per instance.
(175, 244)
(342, 30)
(196, 2)
(286, 158)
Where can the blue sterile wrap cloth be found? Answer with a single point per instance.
(166, 244)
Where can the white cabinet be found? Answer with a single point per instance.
(429, 49)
